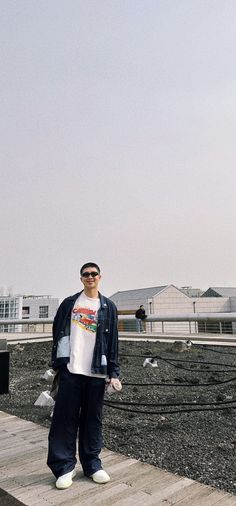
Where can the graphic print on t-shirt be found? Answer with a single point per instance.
(85, 318)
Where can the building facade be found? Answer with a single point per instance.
(172, 300)
(26, 307)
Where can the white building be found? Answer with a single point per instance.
(26, 307)
(169, 299)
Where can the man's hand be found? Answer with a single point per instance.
(115, 383)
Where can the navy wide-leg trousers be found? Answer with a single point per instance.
(78, 407)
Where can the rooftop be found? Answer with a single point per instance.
(138, 293)
(217, 291)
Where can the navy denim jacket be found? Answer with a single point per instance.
(105, 355)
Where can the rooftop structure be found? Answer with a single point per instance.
(216, 291)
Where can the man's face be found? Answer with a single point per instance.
(90, 277)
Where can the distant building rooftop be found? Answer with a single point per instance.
(216, 291)
(138, 293)
(37, 296)
(191, 292)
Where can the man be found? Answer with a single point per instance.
(85, 351)
(140, 316)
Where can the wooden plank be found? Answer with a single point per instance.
(106, 453)
(115, 467)
(137, 493)
(17, 449)
(5, 416)
(15, 421)
(8, 484)
(171, 489)
(15, 427)
(181, 494)
(143, 480)
(7, 443)
(228, 500)
(33, 434)
(25, 493)
(136, 499)
(79, 489)
(34, 453)
(112, 459)
(23, 472)
(196, 498)
(24, 469)
(104, 496)
(4, 434)
(162, 482)
(214, 498)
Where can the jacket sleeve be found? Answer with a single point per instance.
(113, 369)
(55, 333)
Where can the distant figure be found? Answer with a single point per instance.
(140, 316)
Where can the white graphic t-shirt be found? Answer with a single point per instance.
(83, 335)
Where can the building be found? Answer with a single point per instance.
(26, 307)
(224, 293)
(169, 299)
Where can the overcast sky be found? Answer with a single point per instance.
(118, 122)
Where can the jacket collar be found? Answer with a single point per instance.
(103, 299)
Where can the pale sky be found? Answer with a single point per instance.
(118, 121)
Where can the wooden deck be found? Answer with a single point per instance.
(24, 475)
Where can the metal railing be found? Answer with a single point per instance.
(40, 325)
(186, 323)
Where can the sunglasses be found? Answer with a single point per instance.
(93, 274)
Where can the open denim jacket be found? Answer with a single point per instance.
(105, 355)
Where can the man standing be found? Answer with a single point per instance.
(140, 316)
(85, 351)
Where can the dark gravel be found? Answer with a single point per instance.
(200, 445)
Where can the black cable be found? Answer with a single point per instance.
(155, 405)
(166, 412)
(159, 357)
(178, 384)
(203, 347)
(195, 362)
(180, 360)
(169, 361)
(196, 370)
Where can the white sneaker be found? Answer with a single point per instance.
(100, 476)
(65, 481)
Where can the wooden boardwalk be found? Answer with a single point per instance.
(24, 475)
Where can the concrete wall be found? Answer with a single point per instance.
(213, 305)
(171, 300)
(232, 303)
(34, 304)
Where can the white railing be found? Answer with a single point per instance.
(186, 323)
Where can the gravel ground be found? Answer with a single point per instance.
(199, 444)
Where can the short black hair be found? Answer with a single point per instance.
(89, 264)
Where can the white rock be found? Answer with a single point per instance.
(49, 375)
(44, 399)
(150, 362)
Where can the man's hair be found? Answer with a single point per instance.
(89, 264)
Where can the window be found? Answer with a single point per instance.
(1, 309)
(43, 311)
(8, 308)
(25, 312)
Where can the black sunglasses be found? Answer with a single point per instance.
(87, 274)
